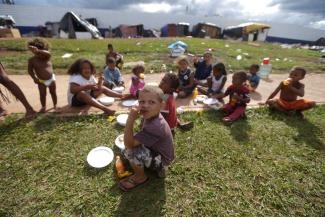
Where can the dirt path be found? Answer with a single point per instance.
(315, 90)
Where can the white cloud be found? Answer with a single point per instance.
(318, 24)
(154, 7)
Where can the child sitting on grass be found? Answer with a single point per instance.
(112, 75)
(169, 85)
(137, 80)
(186, 78)
(84, 88)
(216, 81)
(41, 70)
(253, 78)
(153, 146)
(203, 68)
(290, 89)
(238, 97)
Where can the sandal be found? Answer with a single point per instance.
(131, 181)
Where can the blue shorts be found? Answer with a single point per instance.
(77, 103)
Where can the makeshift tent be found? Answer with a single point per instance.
(169, 30)
(74, 26)
(7, 29)
(320, 42)
(52, 29)
(183, 29)
(206, 30)
(7, 21)
(125, 31)
(178, 44)
(247, 31)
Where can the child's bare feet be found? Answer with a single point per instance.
(30, 113)
(3, 112)
(42, 110)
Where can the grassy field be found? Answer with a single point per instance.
(154, 53)
(267, 165)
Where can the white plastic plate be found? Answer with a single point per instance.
(122, 118)
(100, 157)
(119, 142)
(210, 101)
(201, 98)
(119, 89)
(130, 103)
(106, 100)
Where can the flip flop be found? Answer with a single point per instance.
(131, 181)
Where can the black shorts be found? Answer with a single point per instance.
(77, 103)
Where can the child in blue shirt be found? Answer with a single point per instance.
(112, 75)
(203, 69)
(253, 78)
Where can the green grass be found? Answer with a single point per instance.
(267, 165)
(154, 52)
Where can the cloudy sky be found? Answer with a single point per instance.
(309, 13)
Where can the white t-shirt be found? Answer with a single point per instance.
(81, 81)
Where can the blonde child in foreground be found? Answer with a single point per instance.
(153, 146)
(289, 90)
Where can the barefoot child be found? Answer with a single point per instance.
(238, 97)
(216, 81)
(153, 146)
(186, 78)
(112, 75)
(169, 85)
(41, 70)
(84, 88)
(137, 80)
(16, 91)
(289, 90)
(253, 78)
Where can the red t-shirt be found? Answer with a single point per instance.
(171, 117)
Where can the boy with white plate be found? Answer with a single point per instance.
(153, 146)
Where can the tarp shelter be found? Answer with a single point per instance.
(52, 29)
(7, 21)
(74, 26)
(178, 44)
(169, 30)
(247, 31)
(125, 31)
(7, 29)
(320, 42)
(206, 30)
(183, 29)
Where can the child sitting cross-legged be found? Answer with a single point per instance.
(84, 88)
(112, 75)
(153, 146)
(216, 81)
(169, 85)
(238, 97)
(186, 78)
(289, 90)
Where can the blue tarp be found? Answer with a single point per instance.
(178, 44)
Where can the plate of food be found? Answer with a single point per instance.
(106, 100)
(201, 98)
(119, 142)
(130, 102)
(122, 118)
(119, 89)
(210, 101)
(100, 157)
